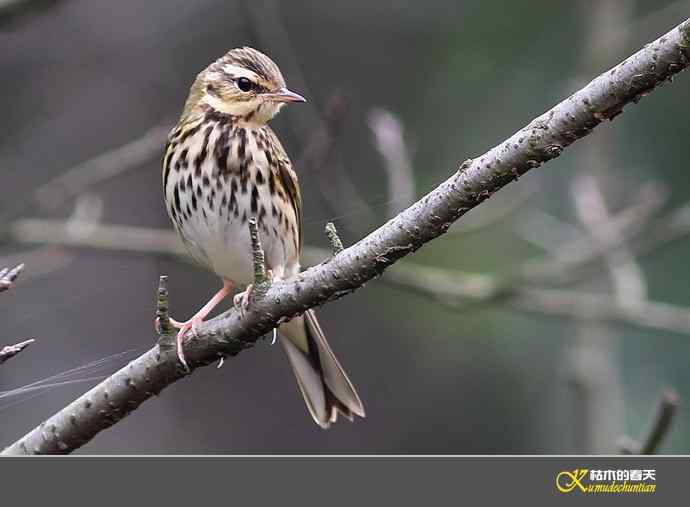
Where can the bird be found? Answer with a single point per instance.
(223, 166)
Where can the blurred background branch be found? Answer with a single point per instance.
(390, 142)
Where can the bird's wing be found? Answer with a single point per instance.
(288, 178)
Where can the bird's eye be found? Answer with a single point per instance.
(244, 84)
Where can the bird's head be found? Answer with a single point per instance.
(244, 83)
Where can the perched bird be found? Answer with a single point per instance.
(223, 165)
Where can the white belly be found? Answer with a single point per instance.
(214, 226)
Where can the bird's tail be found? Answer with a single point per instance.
(324, 384)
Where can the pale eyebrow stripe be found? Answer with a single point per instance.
(235, 71)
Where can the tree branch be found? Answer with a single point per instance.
(540, 141)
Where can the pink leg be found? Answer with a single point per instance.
(197, 319)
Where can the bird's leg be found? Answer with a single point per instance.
(197, 319)
(242, 300)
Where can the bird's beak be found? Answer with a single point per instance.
(284, 95)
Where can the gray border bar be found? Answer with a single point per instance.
(379, 481)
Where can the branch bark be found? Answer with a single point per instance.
(540, 141)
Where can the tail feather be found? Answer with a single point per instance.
(324, 384)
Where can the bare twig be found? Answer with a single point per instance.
(541, 140)
(10, 351)
(261, 280)
(333, 238)
(661, 425)
(8, 276)
(163, 324)
(668, 405)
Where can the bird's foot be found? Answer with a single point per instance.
(184, 329)
(193, 323)
(243, 299)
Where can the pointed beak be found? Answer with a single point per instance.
(284, 95)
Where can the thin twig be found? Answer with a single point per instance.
(660, 427)
(541, 140)
(8, 276)
(261, 281)
(333, 238)
(165, 327)
(661, 424)
(10, 351)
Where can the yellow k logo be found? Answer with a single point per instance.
(567, 481)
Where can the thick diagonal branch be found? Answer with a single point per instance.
(541, 140)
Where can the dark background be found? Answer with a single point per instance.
(80, 78)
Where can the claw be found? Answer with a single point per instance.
(243, 300)
(183, 333)
(193, 323)
(180, 349)
(179, 340)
